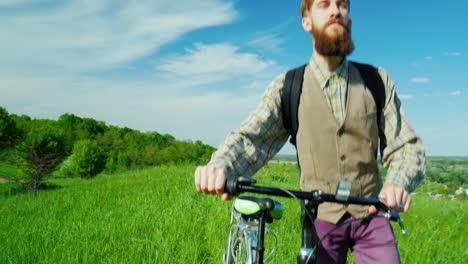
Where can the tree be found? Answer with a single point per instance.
(87, 158)
(203, 152)
(39, 153)
(8, 129)
(68, 121)
(92, 126)
(170, 155)
(150, 156)
(123, 161)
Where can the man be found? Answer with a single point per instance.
(337, 139)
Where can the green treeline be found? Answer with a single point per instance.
(447, 170)
(79, 146)
(83, 147)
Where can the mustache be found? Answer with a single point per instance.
(339, 21)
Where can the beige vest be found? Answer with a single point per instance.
(330, 152)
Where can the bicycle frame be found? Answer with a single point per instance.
(252, 226)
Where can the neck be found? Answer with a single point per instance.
(327, 62)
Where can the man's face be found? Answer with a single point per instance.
(329, 23)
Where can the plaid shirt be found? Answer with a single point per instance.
(262, 134)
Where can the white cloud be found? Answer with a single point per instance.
(217, 61)
(456, 93)
(214, 58)
(269, 39)
(270, 42)
(84, 35)
(456, 54)
(428, 57)
(420, 80)
(405, 96)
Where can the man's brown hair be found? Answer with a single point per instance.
(306, 4)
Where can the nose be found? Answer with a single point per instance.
(335, 10)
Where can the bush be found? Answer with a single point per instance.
(87, 158)
(63, 169)
(436, 188)
(111, 166)
(462, 196)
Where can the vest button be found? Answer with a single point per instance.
(340, 132)
(343, 157)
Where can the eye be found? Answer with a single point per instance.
(344, 4)
(322, 4)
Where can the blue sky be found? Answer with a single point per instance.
(195, 69)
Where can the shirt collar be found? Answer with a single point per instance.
(323, 75)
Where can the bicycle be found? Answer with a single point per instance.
(251, 215)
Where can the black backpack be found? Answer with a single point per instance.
(292, 89)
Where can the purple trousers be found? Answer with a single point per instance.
(370, 240)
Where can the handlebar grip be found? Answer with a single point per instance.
(231, 186)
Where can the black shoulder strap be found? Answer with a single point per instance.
(375, 84)
(290, 98)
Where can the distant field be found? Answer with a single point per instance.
(156, 216)
(447, 158)
(428, 158)
(288, 159)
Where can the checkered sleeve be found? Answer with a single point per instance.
(404, 155)
(258, 139)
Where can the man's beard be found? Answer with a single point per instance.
(337, 44)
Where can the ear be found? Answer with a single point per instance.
(307, 24)
(350, 23)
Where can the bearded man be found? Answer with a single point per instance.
(337, 139)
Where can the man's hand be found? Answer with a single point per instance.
(211, 180)
(395, 197)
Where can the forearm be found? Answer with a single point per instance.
(404, 155)
(406, 165)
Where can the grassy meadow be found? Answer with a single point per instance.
(155, 215)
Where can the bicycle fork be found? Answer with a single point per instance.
(261, 238)
(307, 253)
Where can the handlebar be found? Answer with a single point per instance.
(236, 185)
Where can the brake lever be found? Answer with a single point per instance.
(394, 216)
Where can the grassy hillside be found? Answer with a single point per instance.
(156, 216)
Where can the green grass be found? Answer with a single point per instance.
(156, 216)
